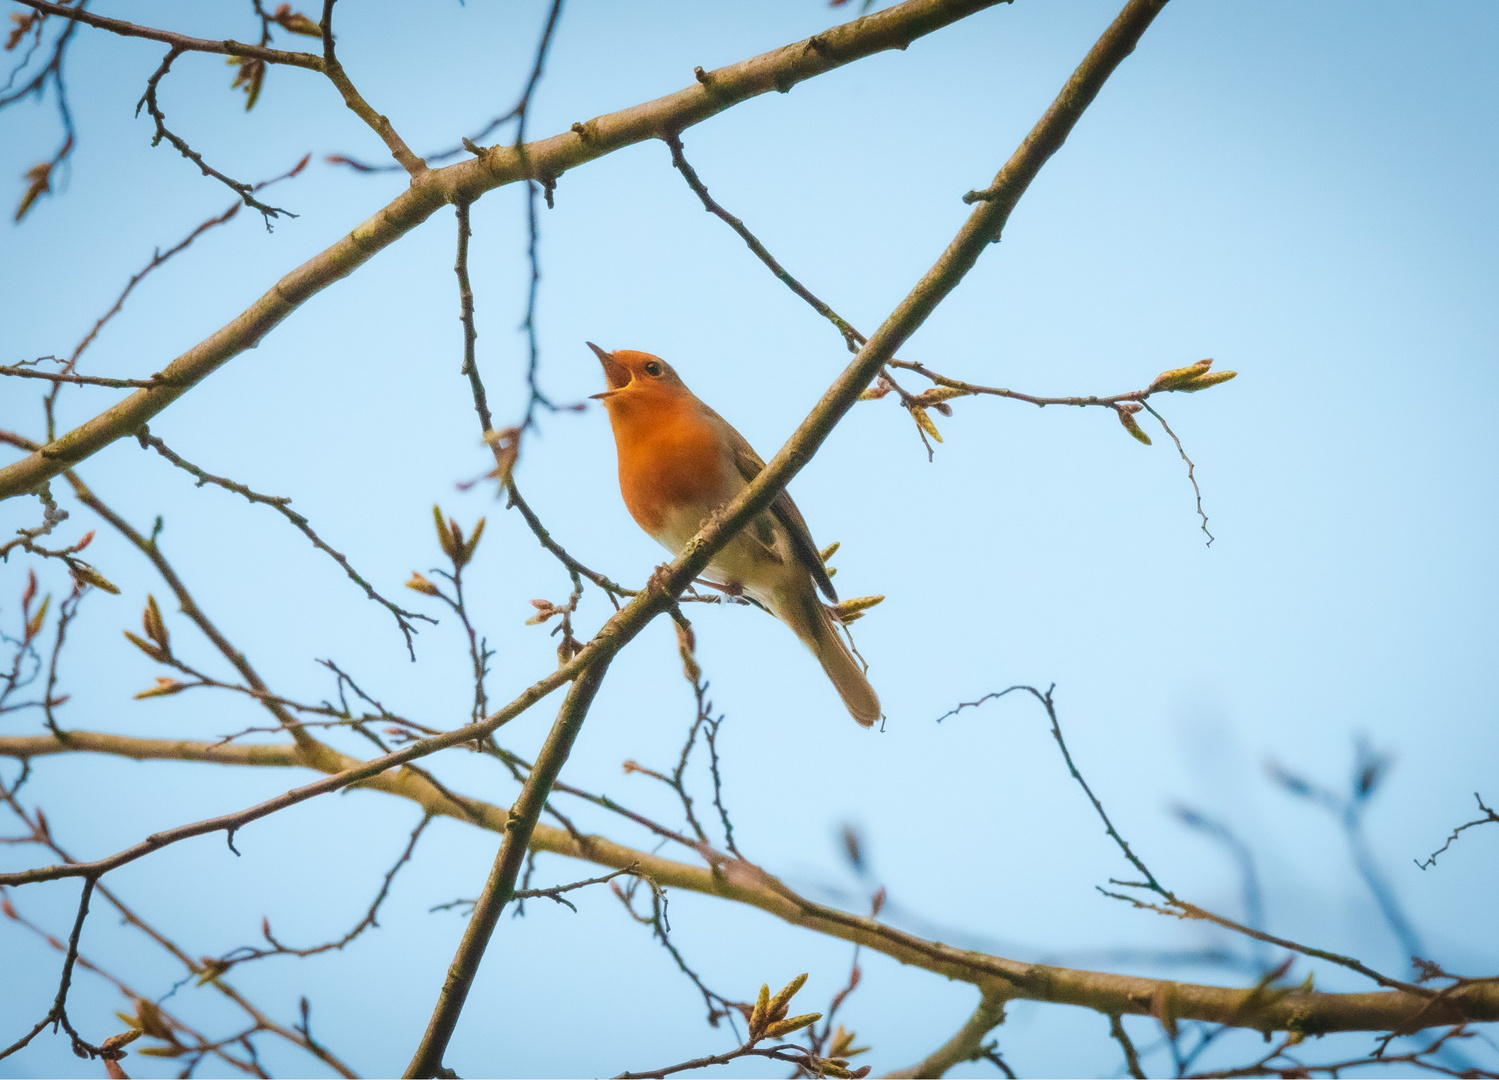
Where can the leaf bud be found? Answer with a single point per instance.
(1176, 378)
(155, 627)
(1132, 426)
(146, 647)
(473, 541)
(781, 1028)
(34, 624)
(445, 537)
(296, 22)
(163, 687)
(85, 574)
(422, 585)
(759, 1014)
(855, 606)
(1213, 378)
(924, 422)
(776, 1010)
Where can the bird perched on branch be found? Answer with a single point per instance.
(679, 461)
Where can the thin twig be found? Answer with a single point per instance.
(1489, 817)
(279, 503)
(243, 190)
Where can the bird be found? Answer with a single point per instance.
(679, 461)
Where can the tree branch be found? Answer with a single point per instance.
(500, 887)
(377, 122)
(181, 42)
(894, 28)
(967, 1044)
(1308, 1012)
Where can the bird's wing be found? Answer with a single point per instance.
(784, 510)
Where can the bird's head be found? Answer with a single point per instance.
(636, 376)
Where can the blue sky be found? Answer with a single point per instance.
(1303, 193)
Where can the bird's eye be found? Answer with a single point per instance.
(652, 368)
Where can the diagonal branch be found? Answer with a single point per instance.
(279, 503)
(500, 887)
(716, 91)
(982, 228)
(967, 1044)
(378, 122)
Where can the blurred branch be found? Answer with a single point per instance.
(1369, 770)
(1281, 1062)
(163, 1023)
(1172, 904)
(1131, 1056)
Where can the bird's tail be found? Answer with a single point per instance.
(814, 624)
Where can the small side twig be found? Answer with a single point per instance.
(149, 102)
(280, 504)
(552, 892)
(247, 953)
(1489, 817)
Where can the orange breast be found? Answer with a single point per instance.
(671, 459)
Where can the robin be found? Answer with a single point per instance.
(679, 461)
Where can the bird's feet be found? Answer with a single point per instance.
(657, 578)
(733, 591)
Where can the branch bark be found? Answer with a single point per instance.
(965, 1045)
(177, 41)
(714, 92)
(500, 888)
(741, 882)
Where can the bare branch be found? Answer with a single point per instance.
(553, 892)
(1489, 817)
(377, 122)
(179, 42)
(243, 190)
(500, 888)
(1311, 1012)
(280, 504)
(967, 1044)
(781, 69)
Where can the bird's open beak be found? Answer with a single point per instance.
(616, 374)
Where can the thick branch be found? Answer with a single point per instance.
(966, 1045)
(717, 90)
(742, 882)
(500, 888)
